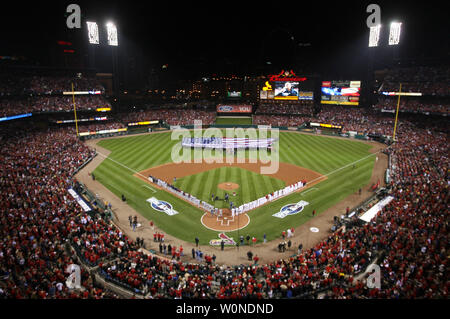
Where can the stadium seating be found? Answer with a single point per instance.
(170, 116)
(43, 230)
(10, 106)
(408, 104)
(299, 107)
(426, 80)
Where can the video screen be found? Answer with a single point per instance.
(341, 92)
(286, 90)
(234, 94)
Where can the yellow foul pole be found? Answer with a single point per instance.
(396, 113)
(74, 109)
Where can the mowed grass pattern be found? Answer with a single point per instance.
(234, 120)
(326, 155)
(251, 185)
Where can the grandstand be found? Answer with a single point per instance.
(42, 226)
(59, 124)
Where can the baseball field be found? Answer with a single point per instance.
(334, 169)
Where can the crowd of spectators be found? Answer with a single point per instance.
(99, 126)
(298, 107)
(16, 83)
(14, 106)
(413, 105)
(58, 84)
(95, 239)
(426, 80)
(170, 116)
(351, 119)
(43, 230)
(358, 120)
(408, 238)
(35, 172)
(280, 120)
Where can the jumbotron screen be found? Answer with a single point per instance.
(286, 90)
(341, 92)
(282, 90)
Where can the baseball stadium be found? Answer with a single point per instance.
(280, 177)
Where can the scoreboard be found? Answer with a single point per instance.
(340, 92)
(287, 86)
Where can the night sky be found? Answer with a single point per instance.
(231, 37)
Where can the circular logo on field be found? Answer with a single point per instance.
(162, 206)
(291, 209)
(314, 229)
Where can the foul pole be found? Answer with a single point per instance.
(396, 113)
(74, 109)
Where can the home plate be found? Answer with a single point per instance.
(314, 229)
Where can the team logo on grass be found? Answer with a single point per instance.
(162, 206)
(291, 209)
(227, 240)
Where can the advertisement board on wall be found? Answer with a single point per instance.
(234, 94)
(223, 108)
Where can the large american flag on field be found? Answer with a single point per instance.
(227, 142)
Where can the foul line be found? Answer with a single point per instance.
(345, 166)
(134, 171)
(149, 188)
(308, 190)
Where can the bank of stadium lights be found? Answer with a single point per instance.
(394, 33)
(93, 34)
(374, 36)
(111, 30)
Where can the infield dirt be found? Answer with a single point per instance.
(288, 173)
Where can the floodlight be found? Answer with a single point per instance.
(93, 32)
(112, 34)
(374, 36)
(394, 33)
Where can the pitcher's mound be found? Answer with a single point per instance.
(228, 186)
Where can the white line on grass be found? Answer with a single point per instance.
(345, 166)
(134, 171)
(308, 190)
(150, 188)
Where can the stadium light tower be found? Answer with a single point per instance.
(374, 36)
(394, 33)
(111, 30)
(93, 32)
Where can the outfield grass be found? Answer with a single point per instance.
(234, 120)
(322, 154)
